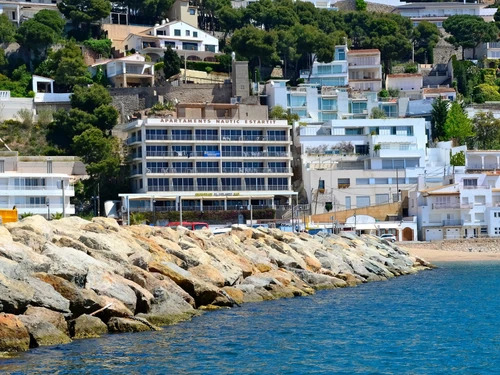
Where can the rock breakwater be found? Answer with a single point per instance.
(71, 278)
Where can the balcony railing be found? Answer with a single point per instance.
(440, 206)
(46, 188)
(476, 187)
(218, 170)
(191, 137)
(220, 188)
(448, 223)
(189, 154)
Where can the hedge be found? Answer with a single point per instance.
(211, 217)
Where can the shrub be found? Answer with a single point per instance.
(99, 46)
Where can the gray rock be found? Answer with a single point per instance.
(126, 325)
(15, 295)
(14, 336)
(53, 317)
(46, 296)
(111, 285)
(43, 333)
(86, 326)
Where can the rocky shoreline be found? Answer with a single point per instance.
(71, 279)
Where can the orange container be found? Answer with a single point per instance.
(8, 216)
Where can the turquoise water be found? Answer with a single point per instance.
(444, 321)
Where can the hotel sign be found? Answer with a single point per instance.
(177, 121)
(232, 194)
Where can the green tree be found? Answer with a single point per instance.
(377, 113)
(360, 5)
(424, 38)
(19, 84)
(88, 99)
(52, 19)
(36, 37)
(66, 66)
(279, 113)
(171, 63)
(485, 93)
(457, 160)
(7, 30)
(84, 11)
(458, 127)
(439, 114)
(469, 31)
(255, 44)
(487, 131)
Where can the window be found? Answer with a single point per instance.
(210, 48)
(192, 12)
(187, 46)
(205, 184)
(362, 149)
(321, 186)
(255, 183)
(381, 181)
(343, 183)
(382, 198)
(171, 44)
(231, 184)
(182, 134)
(278, 184)
(207, 134)
(2, 166)
(49, 166)
(470, 181)
(347, 203)
(161, 32)
(156, 150)
(363, 201)
(188, 33)
(177, 32)
(195, 34)
(362, 181)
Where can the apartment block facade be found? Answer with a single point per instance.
(38, 185)
(468, 208)
(209, 163)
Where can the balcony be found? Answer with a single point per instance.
(47, 188)
(452, 223)
(170, 170)
(443, 206)
(220, 188)
(192, 154)
(470, 187)
(188, 137)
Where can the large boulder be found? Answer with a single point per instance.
(108, 284)
(126, 325)
(15, 295)
(46, 296)
(87, 326)
(81, 301)
(53, 317)
(43, 333)
(71, 264)
(14, 336)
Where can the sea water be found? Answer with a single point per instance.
(444, 321)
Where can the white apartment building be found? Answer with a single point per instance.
(470, 207)
(438, 12)
(410, 85)
(209, 163)
(21, 10)
(39, 185)
(187, 40)
(321, 103)
(360, 163)
(334, 73)
(128, 71)
(365, 70)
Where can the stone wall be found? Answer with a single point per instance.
(130, 100)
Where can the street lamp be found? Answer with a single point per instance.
(154, 212)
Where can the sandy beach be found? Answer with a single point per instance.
(443, 253)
